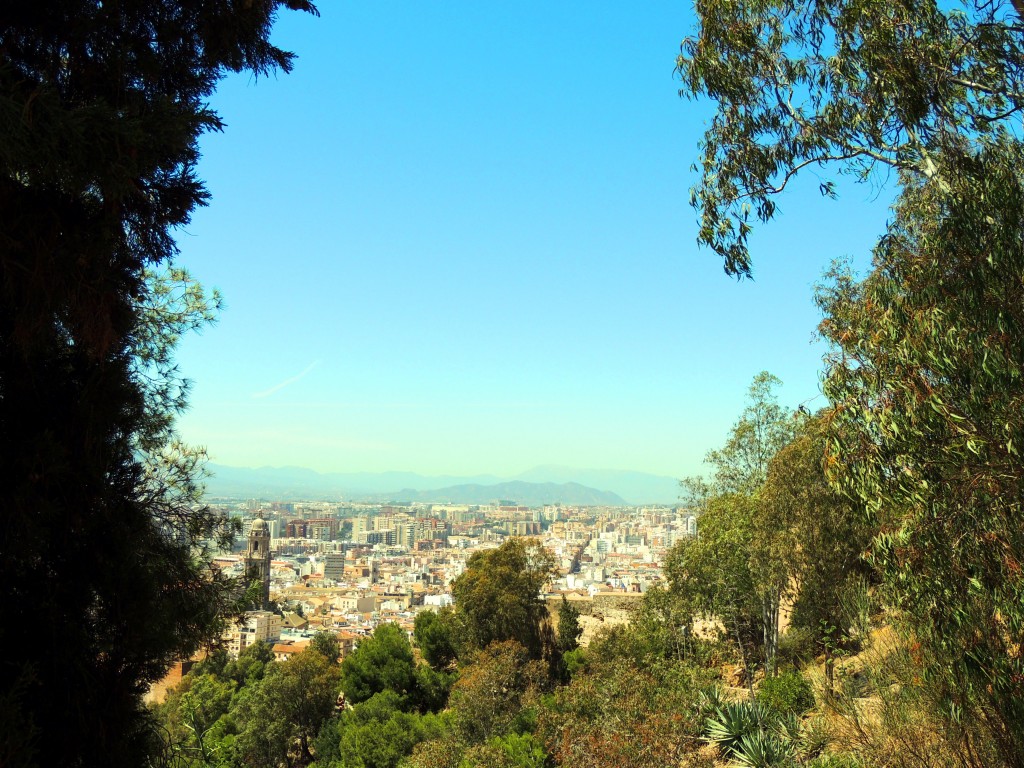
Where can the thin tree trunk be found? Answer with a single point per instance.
(770, 618)
(743, 655)
(830, 670)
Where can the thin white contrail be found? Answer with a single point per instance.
(286, 382)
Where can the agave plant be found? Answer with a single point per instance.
(764, 749)
(789, 728)
(754, 735)
(709, 702)
(732, 721)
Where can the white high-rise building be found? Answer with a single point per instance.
(254, 626)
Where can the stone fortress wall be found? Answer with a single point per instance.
(605, 609)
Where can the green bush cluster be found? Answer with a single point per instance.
(789, 693)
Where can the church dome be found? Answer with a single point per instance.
(259, 526)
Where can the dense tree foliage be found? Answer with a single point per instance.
(569, 629)
(435, 635)
(492, 712)
(623, 716)
(738, 568)
(377, 733)
(926, 378)
(925, 373)
(197, 722)
(250, 666)
(829, 536)
(382, 662)
(846, 85)
(662, 627)
(256, 711)
(489, 698)
(250, 711)
(498, 596)
(101, 108)
(279, 718)
(710, 575)
(327, 645)
(515, 750)
(436, 753)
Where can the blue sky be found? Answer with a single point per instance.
(457, 239)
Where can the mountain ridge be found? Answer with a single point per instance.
(630, 487)
(521, 492)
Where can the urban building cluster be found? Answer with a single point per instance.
(345, 568)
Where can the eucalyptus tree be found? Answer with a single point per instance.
(927, 378)
(737, 568)
(279, 717)
(828, 535)
(925, 373)
(763, 428)
(842, 86)
(710, 574)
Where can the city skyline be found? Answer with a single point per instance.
(456, 240)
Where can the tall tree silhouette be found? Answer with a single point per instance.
(101, 107)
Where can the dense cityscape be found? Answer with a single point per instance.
(344, 568)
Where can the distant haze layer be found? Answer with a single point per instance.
(540, 485)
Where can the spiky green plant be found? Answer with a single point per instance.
(709, 702)
(764, 749)
(734, 720)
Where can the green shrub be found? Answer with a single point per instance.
(788, 693)
(574, 661)
(797, 647)
(510, 751)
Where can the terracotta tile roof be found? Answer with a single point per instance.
(290, 646)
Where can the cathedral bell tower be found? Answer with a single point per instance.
(257, 560)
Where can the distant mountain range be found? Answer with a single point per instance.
(526, 494)
(540, 485)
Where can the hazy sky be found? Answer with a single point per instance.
(457, 239)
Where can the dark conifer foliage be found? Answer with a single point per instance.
(101, 106)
